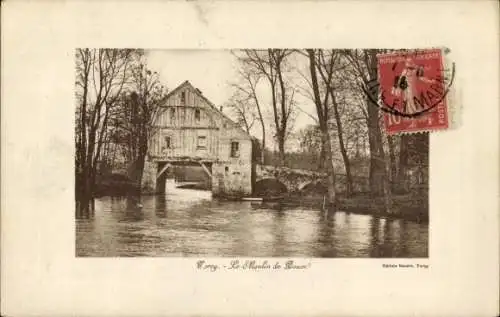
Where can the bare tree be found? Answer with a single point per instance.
(101, 75)
(242, 111)
(364, 63)
(329, 65)
(271, 65)
(246, 103)
(391, 144)
(135, 116)
(323, 113)
(413, 153)
(309, 139)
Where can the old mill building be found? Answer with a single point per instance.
(190, 130)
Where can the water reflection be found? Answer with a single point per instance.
(192, 224)
(161, 206)
(326, 235)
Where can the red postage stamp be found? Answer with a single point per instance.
(413, 89)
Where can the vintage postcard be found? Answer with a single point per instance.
(291, 159)
(250, 158)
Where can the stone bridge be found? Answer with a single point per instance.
(284, 179)
(290, 180)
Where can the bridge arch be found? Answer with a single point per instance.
(304, 184)
(314, 187)
(269, 186)
(293, 179)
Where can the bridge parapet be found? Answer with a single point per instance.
(293, 179)
(296, 179)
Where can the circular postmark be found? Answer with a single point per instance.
(411, 83)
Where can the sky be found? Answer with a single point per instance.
(207, 70)
(212, 71)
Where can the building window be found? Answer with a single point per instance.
(202, 142)
(197, 115)
(235, 149)
(167, 144)
(172, 114)
(183, 98)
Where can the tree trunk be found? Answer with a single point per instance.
(136, 170)
(82, 188)
(378, 174)
(283, 127)
(263, 125)
(261, 120)
(414, 152)
(322, 111)
(402, 180)
(87, 176)
(422, 150)
(349, 182)
(85, 191)
(263, 150)
(377, 164)
(141, 159)
(325, 138)
(321, 163)
(343, 151)
(387, 185)
(113, 156)
(281, 148)
(140, 171)
(393, 167)
(92, 185)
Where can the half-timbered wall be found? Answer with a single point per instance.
(189, 127)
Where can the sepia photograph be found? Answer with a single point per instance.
(250, 158)
(262, 153)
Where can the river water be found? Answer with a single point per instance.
(187, 223)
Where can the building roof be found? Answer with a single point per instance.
(199, 93)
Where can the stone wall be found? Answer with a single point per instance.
(295, 179)
(232, 176)
(231, 179)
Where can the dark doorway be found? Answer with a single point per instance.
(194, 175)
(187, 175)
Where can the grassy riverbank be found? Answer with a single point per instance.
(114, 185)
(411, 206)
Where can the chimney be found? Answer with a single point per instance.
(220, 108)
